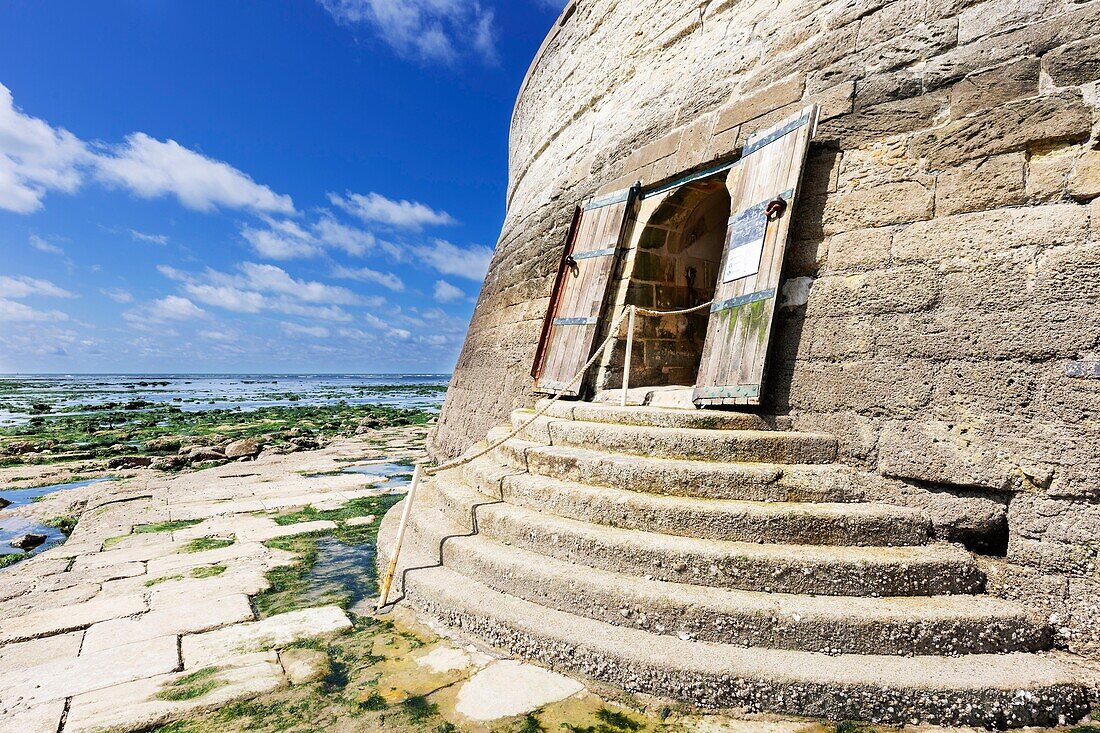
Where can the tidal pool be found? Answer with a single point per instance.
(15, 526)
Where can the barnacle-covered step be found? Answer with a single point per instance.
(751, 446)
(719, 519)
(994, 690)
(781, 568)
(679, 477)
(962, 624)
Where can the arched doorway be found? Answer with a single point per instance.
(671, 262)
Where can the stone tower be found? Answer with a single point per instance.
(940, 309)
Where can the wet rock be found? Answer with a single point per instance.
(163, 444)
(167, 463)
(19, 447)
(305, 443)
(202, 453)
(28, 541)
(130, 462)
(246, 448)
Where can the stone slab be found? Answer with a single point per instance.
(198, 615)
(202, 650)
(27, 654)
(63, 678)
(67, 618)
(134, 705)
(44, 718)
(508, 688)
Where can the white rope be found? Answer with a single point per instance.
(680, 312)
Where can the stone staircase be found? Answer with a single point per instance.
(706, 557)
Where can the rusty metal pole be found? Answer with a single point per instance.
(387, 581)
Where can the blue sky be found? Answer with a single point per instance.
(266, 185)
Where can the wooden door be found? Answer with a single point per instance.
(579, 297)
(739, 330)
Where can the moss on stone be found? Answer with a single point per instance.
(207, 571)
(191, 686)
(202, 544)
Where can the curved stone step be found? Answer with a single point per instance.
(740, 446)
(828, 624)
(656, 417)
(718, 519)
(814, 569)
(677, 477)
(994, 690)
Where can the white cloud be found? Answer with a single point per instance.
(447, 293)
(35, 158)
(151, 168)
(428, 30)
(222, 336)
(118, 295)
(367, 275)
(43, 246)
(21, 286)
(468, 262)
(174, 308)
(374, 207)
(257, 288)
(294, 329)
(169, 308)
(161, 239)
(11, 311)
(356, 242)
(282, 240)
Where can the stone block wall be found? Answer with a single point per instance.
(943, 277)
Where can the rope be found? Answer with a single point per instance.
(682, 311)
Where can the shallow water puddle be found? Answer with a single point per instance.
(14, 526)
(395, 475)
(342, 573)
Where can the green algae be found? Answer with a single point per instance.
(191, 686)
(202, 544)
(207, 571)
(96, 430)
(162, 579)
(172, 526)
(65, 524)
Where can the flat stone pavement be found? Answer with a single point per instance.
(114, 631)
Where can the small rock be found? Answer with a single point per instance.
(4, 503)
(130, 462)
(360, 521)
(303, 666)
(163, 443)
(167, 463)
(203, 453)
(28, 541)
(246, 448)
(117, 448)
(19, 447)
(305, 443)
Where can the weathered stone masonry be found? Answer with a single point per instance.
(944, 271)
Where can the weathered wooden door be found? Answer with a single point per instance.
(763, 187)
(580, 293)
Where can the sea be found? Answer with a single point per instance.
(20, 392)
